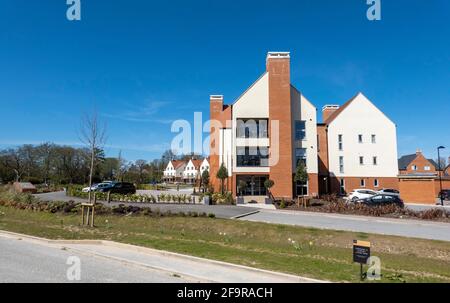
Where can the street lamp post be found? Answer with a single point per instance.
(440, 174)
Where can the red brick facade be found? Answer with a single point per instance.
(279, 110)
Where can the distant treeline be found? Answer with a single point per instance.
(49, 163)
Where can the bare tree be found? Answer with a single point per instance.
(93, 135)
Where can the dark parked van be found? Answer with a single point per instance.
(122, 188)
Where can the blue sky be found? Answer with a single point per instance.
(143, 64)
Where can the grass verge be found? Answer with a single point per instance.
(320, 254)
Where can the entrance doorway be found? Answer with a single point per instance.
(254, 185)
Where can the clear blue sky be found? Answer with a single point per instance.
(145, 63)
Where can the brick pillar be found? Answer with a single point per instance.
(278, 67)
(216, 109)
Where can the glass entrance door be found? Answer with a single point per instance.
(254, 185)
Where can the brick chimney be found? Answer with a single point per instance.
(328, 110)
(278, 67)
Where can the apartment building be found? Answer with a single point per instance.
(357, 148)
(264, 134)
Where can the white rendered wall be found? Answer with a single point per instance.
(303, 110)
(254, 103)
(363, 117)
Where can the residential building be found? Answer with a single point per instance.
(357, 148)
(174, 171)
(204, 166)
(417, 164)
(187, 172)
(264, 134)
(192, 171)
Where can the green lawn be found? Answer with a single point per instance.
(320, 254)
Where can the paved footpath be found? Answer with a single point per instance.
(386, 226)
(30, 259)
(220, 211)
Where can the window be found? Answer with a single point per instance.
(363, 182)
(360, 138)
(342, 187)
(341, 165)
(300, 130)
(252, 128)
(301, 189)
(300, 155)
(414, 167)
(374, 139)
(427, 168)
(375, 183)
(361, 160)
(252, 156)
(375, 161)
(340, 142)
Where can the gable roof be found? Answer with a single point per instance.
(340, 110)
(197, 163)
(404, 161)
(177, 163)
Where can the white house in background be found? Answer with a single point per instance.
(192, 171)
(185, 171)
(174, 171)
(204, 166)
(361, 143)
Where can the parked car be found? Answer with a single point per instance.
(359, 194)
(88, 189)
(123, 188)
(382, 199)
(97, 186)
(389, 191)
(445, 194)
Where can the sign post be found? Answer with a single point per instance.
(361, 253)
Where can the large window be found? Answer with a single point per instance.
(300, 156)
(252, 156)
(300, 130)
(252, 128)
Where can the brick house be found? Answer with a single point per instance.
(417, 164)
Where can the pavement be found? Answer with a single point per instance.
(26, 259)
(385, 226)
(220, 211)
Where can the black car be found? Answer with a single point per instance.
(382, 199)
(123, 188)
(445, 194)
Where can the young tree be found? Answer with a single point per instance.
(222, 174)
(94, 136)
(242, 185)
(301, 174)
(205, 180)
(268, 184)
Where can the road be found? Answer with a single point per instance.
(385, 226)
(397, 227)
(27, 259)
